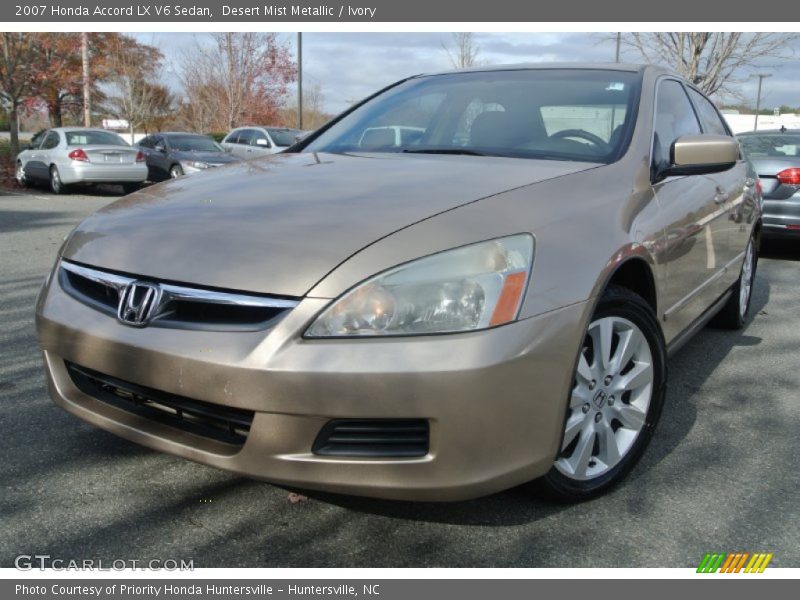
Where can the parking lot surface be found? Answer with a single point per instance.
(720, 475)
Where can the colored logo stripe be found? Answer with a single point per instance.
(734, 562)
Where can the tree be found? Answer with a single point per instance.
(19, 77)
(61, 72)
(314, 114)
(239, 78)
(714, 62)
(133, 94)
(465, 51)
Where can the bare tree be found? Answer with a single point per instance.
(465, 51)
(241, 77)
(314, 115)
(133, 94)
(19, 77)
(714, 62)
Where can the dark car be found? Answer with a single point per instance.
(171, 155)
(775, 155)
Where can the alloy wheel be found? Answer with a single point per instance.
(55, 181)
(608, 406)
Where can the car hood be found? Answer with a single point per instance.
(209, 157)
(278, 225)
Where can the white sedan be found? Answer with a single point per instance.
(67, 155)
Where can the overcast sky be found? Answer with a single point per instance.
(350, 66)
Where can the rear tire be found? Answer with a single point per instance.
(616, 399)
(56, 185)
(736, 310)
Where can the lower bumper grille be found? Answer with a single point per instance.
(374, 438)
(213, 421)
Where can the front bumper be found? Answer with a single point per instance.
(495, 400)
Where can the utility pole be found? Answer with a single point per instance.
(761, 77)
(87, 88)
(619, 39)
(299, 80)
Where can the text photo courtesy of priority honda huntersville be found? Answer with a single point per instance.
(469, 281)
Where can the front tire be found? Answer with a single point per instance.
(734, 314)
(20, 176)
(175, 171)
(616, 399)
(56, 185)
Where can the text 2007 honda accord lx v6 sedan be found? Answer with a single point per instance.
(485, 300)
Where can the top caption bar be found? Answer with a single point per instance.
(114, 11)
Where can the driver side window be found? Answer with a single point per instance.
(675, 118)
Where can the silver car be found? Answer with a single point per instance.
(252, 142)
(68, 155)
(776, 157)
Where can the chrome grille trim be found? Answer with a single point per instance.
(178, 292)
(176, 306)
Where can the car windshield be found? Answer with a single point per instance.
(99, 138)
(193, 143)
(556, 114)
(771, 146)
(283, 137)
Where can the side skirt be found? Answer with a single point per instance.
(680, 340)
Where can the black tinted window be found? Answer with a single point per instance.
(710, 119)
(51, 141)
(283, 137)
(674, 118)
(771, 146)
(146, 142)
(245, 136)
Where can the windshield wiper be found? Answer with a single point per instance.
(462, 151)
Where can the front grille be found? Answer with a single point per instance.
(213, 421)
(374, 438)
(179, 306)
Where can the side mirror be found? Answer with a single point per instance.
(701, 154)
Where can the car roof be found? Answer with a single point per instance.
(599, 66)
(172, 133)
(71, 129)
(782, 131)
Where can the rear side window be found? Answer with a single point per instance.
(51, 141)
(675, 118)
(709, 117)
(245, 136)
(146, 142)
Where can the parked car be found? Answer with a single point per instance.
(252, 142)
(173, 154)
(436, 320)
(68, 155)
(776, 157)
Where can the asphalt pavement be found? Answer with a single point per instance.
(721, 474)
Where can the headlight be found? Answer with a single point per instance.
(196, 164)
(468, 288)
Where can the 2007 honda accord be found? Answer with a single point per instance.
(485, 300)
